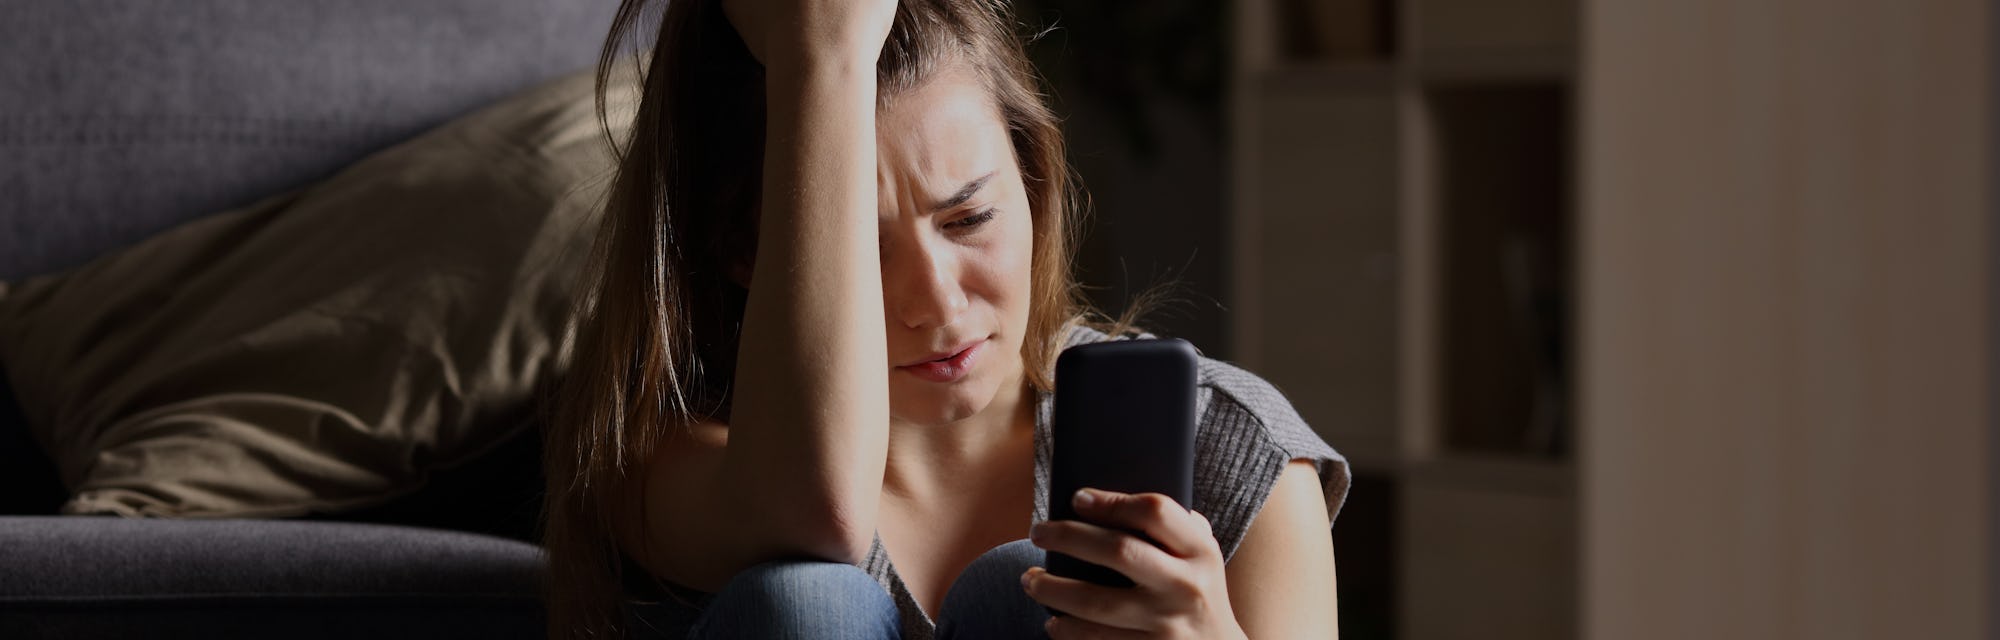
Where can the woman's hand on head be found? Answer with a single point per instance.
(783, 32)
(1179, 590)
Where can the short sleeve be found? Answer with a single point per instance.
(1247, 434)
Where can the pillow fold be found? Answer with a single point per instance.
(325, 348)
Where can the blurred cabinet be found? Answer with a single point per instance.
(1326, 261)
(1402, 231)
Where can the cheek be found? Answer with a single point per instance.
(1001, 271)
(1016, 260)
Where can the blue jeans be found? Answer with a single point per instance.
(840, 602)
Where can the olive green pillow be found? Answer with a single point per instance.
(326, 348)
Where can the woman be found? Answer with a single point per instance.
(810, 397)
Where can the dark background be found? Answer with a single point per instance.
(1140, 86)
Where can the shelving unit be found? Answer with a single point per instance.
(1403, 272)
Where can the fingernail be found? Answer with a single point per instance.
(1027, 577)
(1085, 498)
(1037, 532)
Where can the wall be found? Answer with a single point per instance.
(1993, 316)
(1788, 319)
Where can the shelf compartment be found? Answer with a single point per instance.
(1501, 189)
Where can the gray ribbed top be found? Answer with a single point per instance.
(1245, 436)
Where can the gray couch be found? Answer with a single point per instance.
(119, 119)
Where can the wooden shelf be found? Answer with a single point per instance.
(1496, 474)
(1325, 76)
(1489, 66)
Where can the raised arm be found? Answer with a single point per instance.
(798, 471)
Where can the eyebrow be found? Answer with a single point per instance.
(964, 193)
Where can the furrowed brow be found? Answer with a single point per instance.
(964, 193)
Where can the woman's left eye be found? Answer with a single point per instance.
(971, 222)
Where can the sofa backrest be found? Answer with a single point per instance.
(120, 118)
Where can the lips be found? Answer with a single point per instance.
(941, 355)
(945, 366)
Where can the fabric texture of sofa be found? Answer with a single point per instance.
(120, 119)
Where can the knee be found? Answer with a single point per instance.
(1012, 558)
(987, 600)
(787, 584)
(807, 596)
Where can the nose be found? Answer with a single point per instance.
(923, 291)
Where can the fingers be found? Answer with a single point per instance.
(1180, 531)
(1074, 628)
(1168, 570)
(1094, 610)
(1144, 563)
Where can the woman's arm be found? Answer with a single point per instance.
(798, 471)
(1281, 580)
(810, 418)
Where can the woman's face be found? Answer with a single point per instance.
(957, 240)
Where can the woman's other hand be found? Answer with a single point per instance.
(783, 32)
(1179, 590)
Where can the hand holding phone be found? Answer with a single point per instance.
(1125, 422)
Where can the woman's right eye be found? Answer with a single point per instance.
(971, 222)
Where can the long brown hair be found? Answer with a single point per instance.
(658, 317)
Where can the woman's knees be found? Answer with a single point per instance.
(987, 601)
(805, 584)
(801, 600)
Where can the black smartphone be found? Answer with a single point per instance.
(1124, 421)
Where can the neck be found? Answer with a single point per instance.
(926, 459)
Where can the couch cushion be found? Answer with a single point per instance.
(327, 348)
(119, 119)
(88, 577)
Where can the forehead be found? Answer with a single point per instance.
(943, 130)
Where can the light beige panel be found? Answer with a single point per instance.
(1487, 556)
(1326, 330)
(1784, 301)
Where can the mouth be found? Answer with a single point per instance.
(946, 367)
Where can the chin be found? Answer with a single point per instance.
(931, 404)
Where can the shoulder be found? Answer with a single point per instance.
(1247, 435)
(1249, 402)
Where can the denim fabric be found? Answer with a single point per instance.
(839, 601)
(799, 600)
(987, 601)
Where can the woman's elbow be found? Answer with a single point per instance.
(830, 534)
